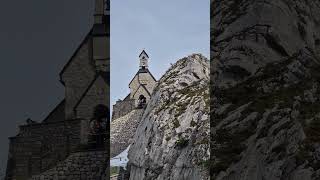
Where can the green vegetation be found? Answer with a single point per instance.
(205, 163)
(205, 140)
(182, 143)
(168, 138)
(171, 75)
(193, 123)
(181, 108)
(114, 171)
(176, 123)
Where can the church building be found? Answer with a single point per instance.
(41, 145)
(141, 87)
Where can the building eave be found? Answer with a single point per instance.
(87, 90)
(144, 87)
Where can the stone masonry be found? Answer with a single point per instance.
(61, 146)
(122, 131)
(78, 166)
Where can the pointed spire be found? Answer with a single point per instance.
(143, 52)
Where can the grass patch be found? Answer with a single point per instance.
(168, 138)
(193, 123)
(176, 123)
(182, 143)
(114, 171)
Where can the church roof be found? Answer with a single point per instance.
(74, 54)
(144, 87)
(103, 76)
(143, 52)
(127, 97)
(57, 114)
(96, 30)
(142, 71)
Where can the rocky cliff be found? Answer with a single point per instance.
(266, 92)
(172, 139)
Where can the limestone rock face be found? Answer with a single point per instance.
(172, 139)
(122, 131)
(266, 92)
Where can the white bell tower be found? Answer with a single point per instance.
(144, 58)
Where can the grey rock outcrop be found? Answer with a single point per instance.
(172, 139)
(266, 92)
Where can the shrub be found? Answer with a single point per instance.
(182, 143)
(176, 123)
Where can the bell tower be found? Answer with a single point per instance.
(144, 58)
(99, 11)
(101, 36)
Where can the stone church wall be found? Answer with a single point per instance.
(78, 76)
(148, 81)
(134, 85)
(141, 91)
(122, 108)
(40, 146)
(89, 165)
(95, 96)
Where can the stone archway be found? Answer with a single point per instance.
(99, 126)
(142, 101)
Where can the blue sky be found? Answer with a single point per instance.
(168, 30)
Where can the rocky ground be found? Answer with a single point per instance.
(172, 139)
(265, 90)
(122, 131)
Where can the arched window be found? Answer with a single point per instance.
(142, 101)
(101, 112)
(99, 126)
